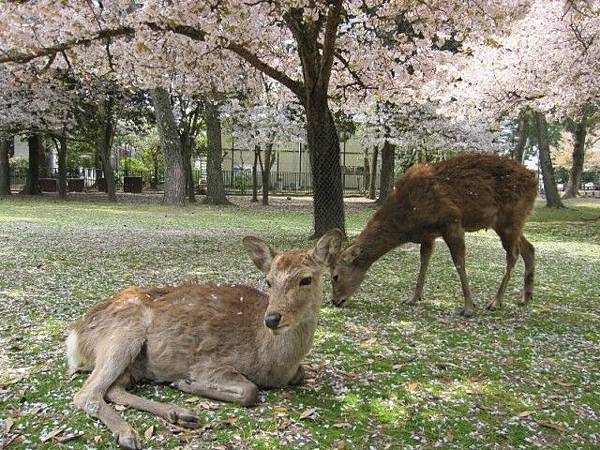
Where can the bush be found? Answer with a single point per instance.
(134, 167)
(18, 163)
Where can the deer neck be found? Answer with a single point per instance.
(378, 238)
(281, 354)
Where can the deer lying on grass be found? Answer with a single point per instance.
(446, 199)
(221, 342)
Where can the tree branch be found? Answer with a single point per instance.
(25, 57)
(293, 85)
(329, 42)
(193, 33)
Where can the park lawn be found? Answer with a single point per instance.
(380, 375)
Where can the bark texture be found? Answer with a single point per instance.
(215, 190)
(5, 145)
(175, 180)
(388, 153)
(324, 148)
(550, 189)
(32, 183)
(579, 134)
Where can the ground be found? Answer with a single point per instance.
(380, 375)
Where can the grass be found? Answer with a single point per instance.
(381, 375)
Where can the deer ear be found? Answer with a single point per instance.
(260, 252)
(351, 253)
(328, 247)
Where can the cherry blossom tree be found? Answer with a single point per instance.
(316, 49)
(33, 101)
(270, 120)
(418, 128)
(544, 67)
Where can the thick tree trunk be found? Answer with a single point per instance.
(388, 154)
(578, 155)
(5, 145)
(32, 183)
(215, 190)
(255, 174)
(170, 143)
(104, 141)
(266, 167)
(373, 177)
(324, 145)
(550, 189)
(522, 134)
(62, 167)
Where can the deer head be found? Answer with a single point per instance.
(294, 279)
(346, 274)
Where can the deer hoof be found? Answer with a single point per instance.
(493, 306)
(128, 439)
(525, 300)
(466, 312)
(184, 418)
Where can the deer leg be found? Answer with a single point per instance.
(425, 252)
(528, 255)
(221, 383)
(172, 413)
(298, 378)
(510, 242)
(114, 355)
(455, 239)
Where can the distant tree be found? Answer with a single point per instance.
(5, 145)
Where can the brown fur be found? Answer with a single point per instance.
(206, 339)
(466, 193)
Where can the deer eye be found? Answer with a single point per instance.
(305, 281)
(335, 278)
(268, 283)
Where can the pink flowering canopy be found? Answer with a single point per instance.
(382, 48)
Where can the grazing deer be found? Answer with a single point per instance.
(221, 342)
(466, 193)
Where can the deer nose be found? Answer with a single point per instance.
(272, 320)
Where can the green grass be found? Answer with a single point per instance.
(381, 375)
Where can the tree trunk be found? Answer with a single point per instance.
(215, 190)
(324, 146)
(578, 155)
(104, 141)
(266, 173)
(62, 167)
(366, 174)
(373, 177)
(388, 154)
(154, 182)
(255, 174)
(32, 183)
(170, 143)
(186, 146)
(4, 167)
(550, 189)
(522, 133)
